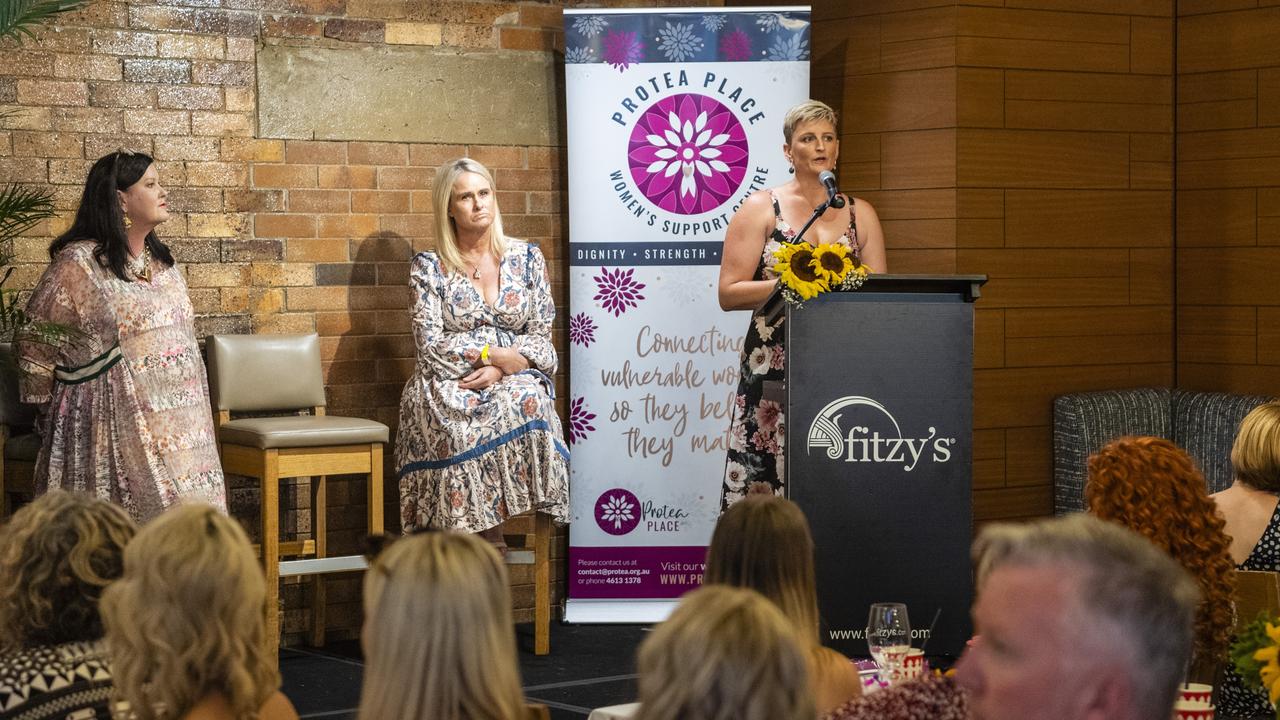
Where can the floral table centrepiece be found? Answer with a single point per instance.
(1256, 656)
(805, 271)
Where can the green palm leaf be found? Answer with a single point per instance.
(16, 16)
(21, 208)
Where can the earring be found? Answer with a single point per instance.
(791, 169)
(127, 222)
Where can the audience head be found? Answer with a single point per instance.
(1076, 618)
(56, 556)
(438, 638)
(807, 112)
(762, 542)
(724, 653)
(1153, 487)
(186, 620)
(462, 187)
(121, 186)
(1256, 452)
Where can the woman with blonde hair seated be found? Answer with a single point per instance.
(438, 638)
(724, 653)
(763, 542)
(56, 556)
(1251, 510)
(185, 625)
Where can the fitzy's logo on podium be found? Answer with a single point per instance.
(872, 435)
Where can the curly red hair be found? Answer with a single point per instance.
(1153, 487)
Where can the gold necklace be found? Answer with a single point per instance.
(141, 265)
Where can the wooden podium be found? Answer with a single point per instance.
(879, 413)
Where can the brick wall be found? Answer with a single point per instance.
(278, 235)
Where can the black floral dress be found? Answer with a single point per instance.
(1234, 699)
(758, 431)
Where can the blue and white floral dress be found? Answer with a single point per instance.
(468, 459)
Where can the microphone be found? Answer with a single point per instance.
(828, 180)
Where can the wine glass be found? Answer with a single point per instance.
(889, 638)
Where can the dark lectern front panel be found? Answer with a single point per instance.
(879, 444)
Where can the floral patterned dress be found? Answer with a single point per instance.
(758, 431)
(125, 402)
(468, 459)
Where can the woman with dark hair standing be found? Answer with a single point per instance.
(124, 403)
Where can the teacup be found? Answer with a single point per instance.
(1195, 694)
(1183, 710)
(913, 665)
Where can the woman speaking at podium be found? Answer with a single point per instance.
(764, 223)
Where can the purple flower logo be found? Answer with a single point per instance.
(580, 420)
(688, 154)
(618, 290)
(582, 330)
(623, 49)
(617, 511)
(736, 46)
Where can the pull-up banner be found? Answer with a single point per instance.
(674, 118)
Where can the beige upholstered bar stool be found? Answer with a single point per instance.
(281, 374)
(19, 445)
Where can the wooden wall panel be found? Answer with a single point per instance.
(1228, 195)
(1030, 140)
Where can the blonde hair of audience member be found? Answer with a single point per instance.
(446, 233)
(1255, 454)
(56, 556)
(762, 542)
(1077, 617)
(459, 661)
(724, 653)
(185, 625)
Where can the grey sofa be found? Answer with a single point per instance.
(1202, 422)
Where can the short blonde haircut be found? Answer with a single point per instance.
(807, 111)
(763, 542)
(446, 232)
(725, 653)
(56, 556)
(439, 643)
(1255, 455)
(186, 621)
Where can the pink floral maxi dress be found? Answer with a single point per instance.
(468, 459)
(757, 436)
(126, 400)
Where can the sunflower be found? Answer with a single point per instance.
(797, 270)
(1270, 672)
(832, 263)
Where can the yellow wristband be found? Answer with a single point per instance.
(484, 354)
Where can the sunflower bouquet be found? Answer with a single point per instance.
(1256, 656)
(805, 271)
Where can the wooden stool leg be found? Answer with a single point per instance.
(320, 533)
(541, 583)
(374, 491)
(271, 549)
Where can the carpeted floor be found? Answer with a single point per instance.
(589, 666)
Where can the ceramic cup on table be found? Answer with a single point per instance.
(1195, 694)
(913, 664)
(1184, 710)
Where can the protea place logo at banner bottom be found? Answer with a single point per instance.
(858, 429)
